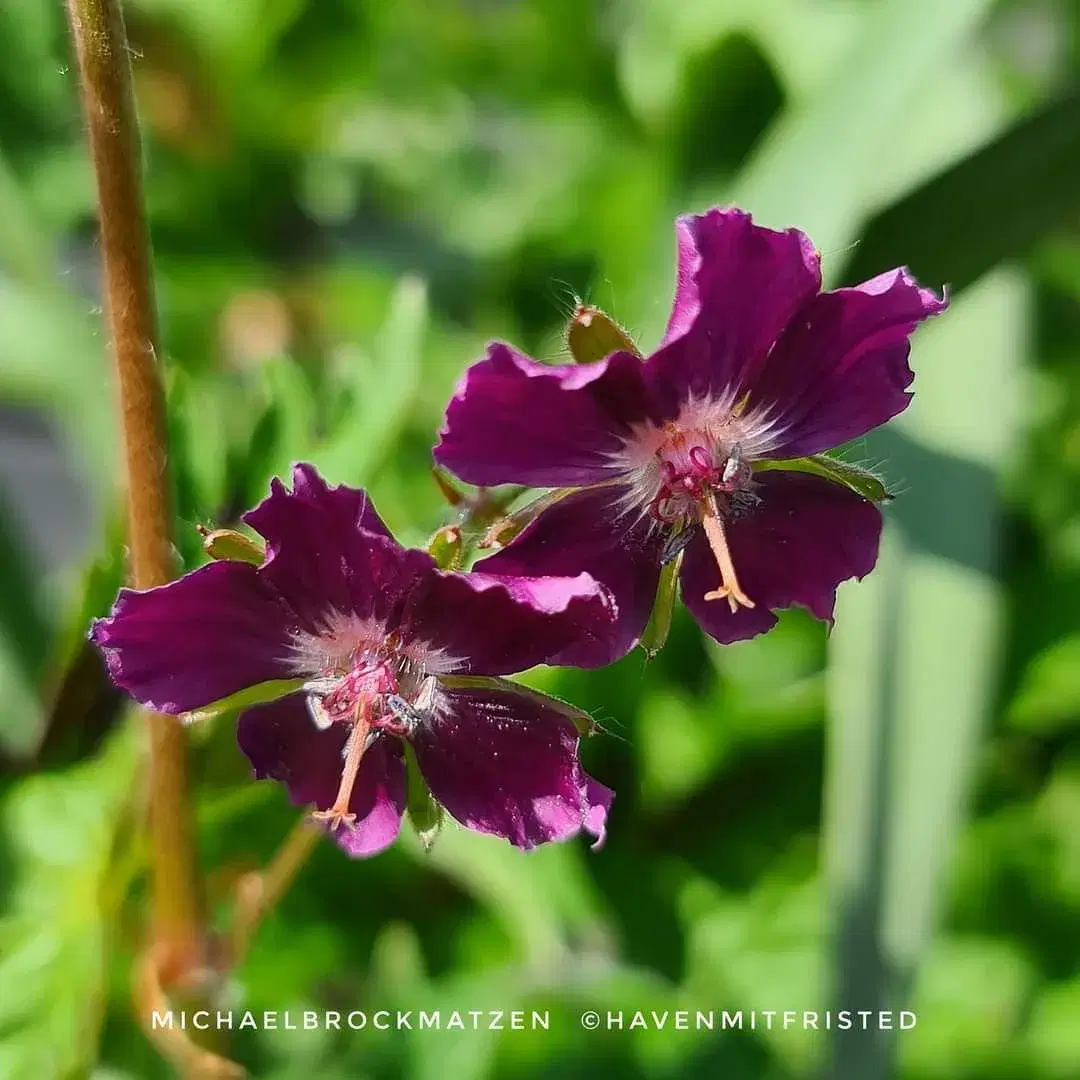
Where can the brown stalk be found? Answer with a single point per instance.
(105, 78)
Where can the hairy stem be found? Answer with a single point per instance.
(105, 76)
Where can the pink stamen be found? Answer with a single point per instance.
(702, 459)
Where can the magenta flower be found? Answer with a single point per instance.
(662, 457)
(386, 664)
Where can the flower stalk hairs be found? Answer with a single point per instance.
(706, 456)
(370, 679)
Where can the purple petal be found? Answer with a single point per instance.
(589, 532)
(327, 550)
(283, 744)
(598, 799)
(488, 625)
(353, 506)
(805, 537)
(506, 763)
(739, 285)
(841, 368)
(194, 641)
(514, 421)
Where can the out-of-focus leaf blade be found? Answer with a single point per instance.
(25, 640)
(381, 391)
(912, 661)
(50, 357)
(868, 99)
(1049, 695)
(59, 832)
(989, 207)
(22, 247)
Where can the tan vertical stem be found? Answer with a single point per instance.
(105, 77)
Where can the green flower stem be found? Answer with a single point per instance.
(105, 78)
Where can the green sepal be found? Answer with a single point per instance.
(582, 720)
(425, 814)
(231, 545)
(591, 334)
(509, 526)
(447, 486)
(259, 694)
(446, 547)
(659, 626)
(862, 481)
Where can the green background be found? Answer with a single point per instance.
(347, 199)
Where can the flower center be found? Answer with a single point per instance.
(700, 482)
(379, 691)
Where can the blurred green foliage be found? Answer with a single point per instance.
(347, 199)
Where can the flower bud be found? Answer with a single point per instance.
(591, 335)
(229, 544)
(445, 547)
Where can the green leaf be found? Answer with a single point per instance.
(859, 479)
(283, 432)
(679, 746)
(200, 421)
(50, 358)
(981, 989)
(869, 98)
(1053, 1034)
(380, 389)
(290, 393)
(913, 657)
(22, 247)
(766, 949)
(1048, 699)
(990, 207)
(259, 694)
(59, 832)
(25, 640)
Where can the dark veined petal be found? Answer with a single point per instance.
(489, 625)
(283, 744)
(841, 368)
(590, 531)
(515, 421)
(739, 285)
(327, 550)
(187, 644)
(352, 506)
(506, 763)
(803, 539)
